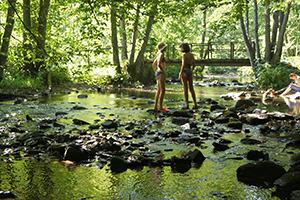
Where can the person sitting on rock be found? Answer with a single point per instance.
(293, 86)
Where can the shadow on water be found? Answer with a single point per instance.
(43, 178)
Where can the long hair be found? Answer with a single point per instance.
(185, 46)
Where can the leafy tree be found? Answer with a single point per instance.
(7, 35)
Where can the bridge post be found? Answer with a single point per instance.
(209, 47)
(231, 50)
(168, 53)
(173, 56)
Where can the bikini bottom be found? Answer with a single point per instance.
(188, 72)
(157, 73)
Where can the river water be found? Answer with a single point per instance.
(215, 179)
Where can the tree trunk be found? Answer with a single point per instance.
(29, 66)
(203, 41)
(6, 36)
(257, 46)
(114, 40)
(267, 33)
(247, 24)
(203, 34)
(42, 27)
(134, 37)
(278, 52)
(274, 33)
(123, 39)
(140, 58)
(248, 44)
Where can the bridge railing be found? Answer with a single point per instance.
(212, 50)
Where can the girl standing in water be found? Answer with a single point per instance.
(186, 74)
(160, 75)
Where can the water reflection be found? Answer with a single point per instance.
(289, 101)
(293, 104)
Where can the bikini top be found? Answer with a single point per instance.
(162, 60)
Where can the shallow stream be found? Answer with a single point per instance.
(44, 178)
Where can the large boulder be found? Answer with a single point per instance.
(287, 183)
(195, 156)
(257, 155)
(74, 153)
(295, 163)
(118, 164)
(261, 174)
(255, 119)
(235, 124)
(180, 165)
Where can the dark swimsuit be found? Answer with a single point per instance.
(188, 72)
(157, 73)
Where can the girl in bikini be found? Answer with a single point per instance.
(160, 75)
(186, 74)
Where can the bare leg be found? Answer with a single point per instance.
(158, 94)
(286, 91)
(184, 82)
(191, 87)
(162, 93)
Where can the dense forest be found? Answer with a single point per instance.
(46, 43)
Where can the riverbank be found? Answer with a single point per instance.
(70, 86)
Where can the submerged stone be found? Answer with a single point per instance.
(81, 96)
(109, 124)
(261, 174)
(80, 122)
(256, 155)
(220, 147)
(118, 164)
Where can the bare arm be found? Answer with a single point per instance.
(194, 64)
(182, 66)
(159, 60)
(154, 65)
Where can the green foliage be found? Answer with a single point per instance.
(20, 79)
(13, 80)
(172, 71)
(118, 79)
(199, 70)
(274, 77)
(245, 71)
(82, 73)
(60, 76)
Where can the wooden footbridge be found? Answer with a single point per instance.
(210, 54)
